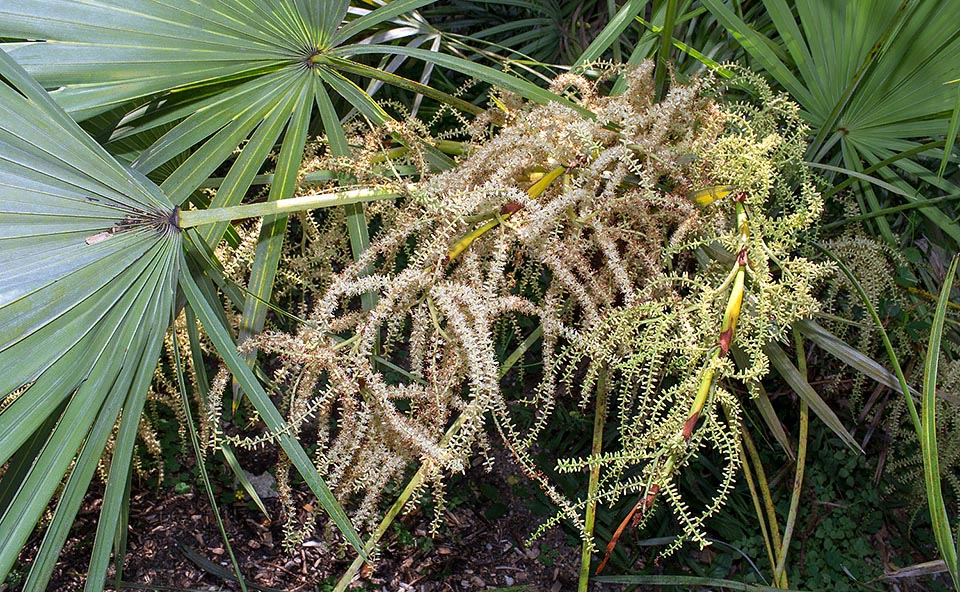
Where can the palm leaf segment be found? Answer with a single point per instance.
(89, 260)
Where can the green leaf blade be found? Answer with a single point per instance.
(781, 362)
(273, 230)
(939, 516)
(77, 336)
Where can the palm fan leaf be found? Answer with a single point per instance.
(225, 72)
(90, 258)
(870, 78)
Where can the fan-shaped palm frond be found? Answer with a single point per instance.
(225, 72)
(870, 77)
(90, 257)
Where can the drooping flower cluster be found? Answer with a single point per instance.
(615, 233)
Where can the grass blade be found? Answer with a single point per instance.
(928, 441)
(849, 355)
(952, 131)
(762, 401)
(214, 569)
(779, 572)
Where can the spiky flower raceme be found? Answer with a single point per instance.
(643, 241)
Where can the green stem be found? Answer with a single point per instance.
(518, 353)
(413, 86)
(347, 578)
(757, 504)
(190, 218)
(599, 420)
(764, 487)
(779, 573)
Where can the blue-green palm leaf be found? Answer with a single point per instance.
(221, 72)
(91, 256)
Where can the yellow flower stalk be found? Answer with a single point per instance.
(505, 212)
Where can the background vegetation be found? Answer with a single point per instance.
(130, 130)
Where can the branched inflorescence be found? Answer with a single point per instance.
(644, 241)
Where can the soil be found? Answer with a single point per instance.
(174, 544)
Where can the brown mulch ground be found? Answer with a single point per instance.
(174, 543)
